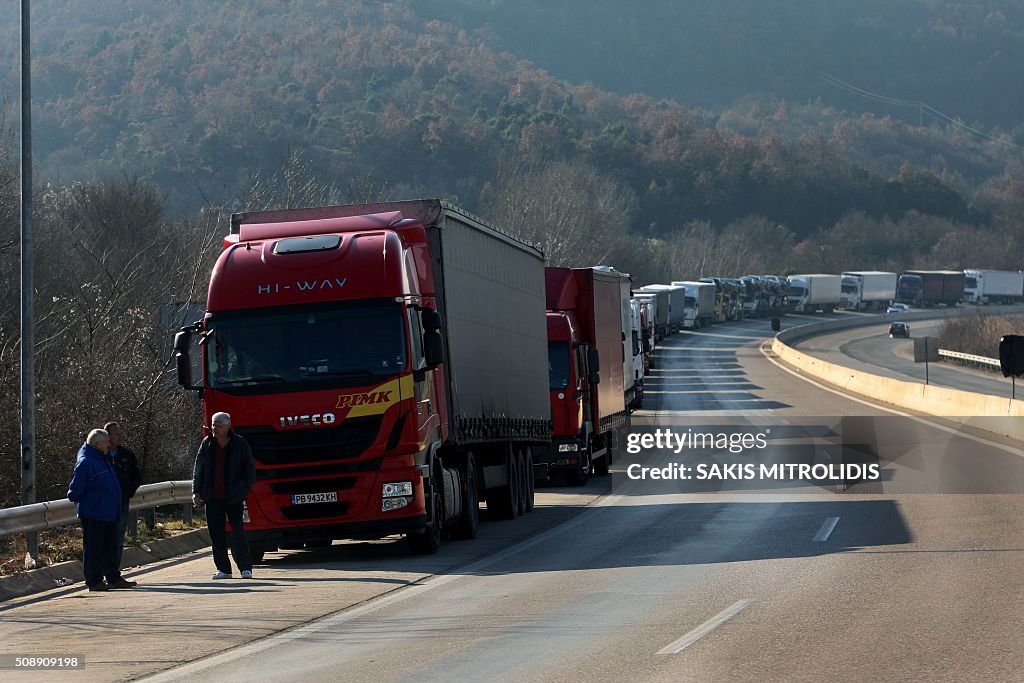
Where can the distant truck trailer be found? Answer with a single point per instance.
(700, 303)
(993, 286)
(930, 287)
(864, 290)
(676, 304)
(811, 292)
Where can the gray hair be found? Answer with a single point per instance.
(95, 436)
(223, 418)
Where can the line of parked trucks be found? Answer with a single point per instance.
(875, 290)
(386, 363)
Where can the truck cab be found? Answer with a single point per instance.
(587, 340)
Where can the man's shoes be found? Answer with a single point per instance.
(221, 575)
(247, 574)
(122, 583)
(99, 587)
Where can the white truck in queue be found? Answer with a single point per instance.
(699, 303)
(864, 290)
(993, 286)
(810, 292)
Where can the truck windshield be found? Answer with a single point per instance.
(321, 346)
(910, 282)
(558, 364)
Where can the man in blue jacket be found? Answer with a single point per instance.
(95, 490)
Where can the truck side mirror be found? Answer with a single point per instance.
(593, 362)
(594, 378)
(184, 363)
(183, 360)
(431, 320)
(433, 347)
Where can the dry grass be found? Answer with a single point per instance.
(978, 334)
(65, 543)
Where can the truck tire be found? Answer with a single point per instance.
(468, 524)
(428, 541)
(580, 476)
(530, 483)
(256, 553)
(502, 502)
(601, 465)
(523, 486)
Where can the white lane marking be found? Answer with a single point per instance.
(705, 628)
(877, 406)
(826, 529)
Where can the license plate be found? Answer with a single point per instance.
(304, 498)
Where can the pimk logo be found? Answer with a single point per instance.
(302, 286)
(350, 400)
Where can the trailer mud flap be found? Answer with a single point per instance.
(495, 476)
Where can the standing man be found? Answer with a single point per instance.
(126, 466)
(223, 474)
(95, 490)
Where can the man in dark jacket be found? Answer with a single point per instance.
(95, 490)
(223, 474)
(126, 466)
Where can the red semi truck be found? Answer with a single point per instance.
(585, 354)
(386, 364)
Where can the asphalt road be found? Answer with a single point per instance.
(913, 576)
(871, 349)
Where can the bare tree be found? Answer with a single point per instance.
(577, 215)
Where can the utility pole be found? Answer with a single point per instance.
(28, 393)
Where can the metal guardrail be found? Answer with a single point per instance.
(970, 358)
(56, 513)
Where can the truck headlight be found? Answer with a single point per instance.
(395, 489)
(566, 447)
(390, 504)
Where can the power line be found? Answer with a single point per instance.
(923, 108)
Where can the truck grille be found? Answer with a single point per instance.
(313, 485)
(315, 511)
(346, 441)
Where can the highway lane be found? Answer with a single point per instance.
(870, 349)
(178, 614)
(913, 577)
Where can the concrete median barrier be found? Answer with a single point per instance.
(990, 413)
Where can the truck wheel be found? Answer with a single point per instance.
(429, 541)
(530, 484)
(502, 501)
(256, 553)
(579, 477)
(524, 487)
(469, 523)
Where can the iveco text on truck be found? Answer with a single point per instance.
(362, 352)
